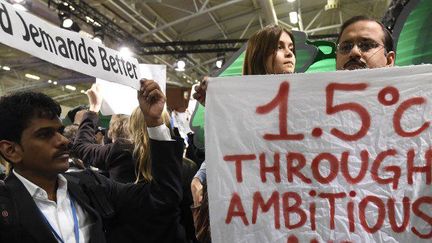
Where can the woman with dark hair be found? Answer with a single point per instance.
(270, 50)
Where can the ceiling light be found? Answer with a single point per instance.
(332, 4)
(219, 63)
(63, 11)
(70, 87)
(89, 20)
(290, 1)
(125, 52)
(49, 81)
(180, 65)
(220, 60)
(6, 68)
(55, 82)
(64, 14)
(293, 17)
(67, 23)
(31, 76)
(82, 92)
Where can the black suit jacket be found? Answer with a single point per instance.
(116, 158)
(150, 210)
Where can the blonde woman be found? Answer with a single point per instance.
(141, 154)
(140, 139)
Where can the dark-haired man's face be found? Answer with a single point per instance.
(361, 46)
(43, 150)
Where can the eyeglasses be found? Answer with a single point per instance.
(364, 46)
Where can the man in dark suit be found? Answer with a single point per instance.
(49, 206)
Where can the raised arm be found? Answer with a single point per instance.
(201, 91)
(154, 207)
(84, 146)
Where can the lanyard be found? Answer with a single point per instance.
(75, 219)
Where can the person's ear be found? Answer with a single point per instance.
(11, 151)
(390, 58)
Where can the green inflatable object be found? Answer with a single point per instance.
(413, 34)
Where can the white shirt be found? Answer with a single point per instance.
(161, 133)
(59, 214)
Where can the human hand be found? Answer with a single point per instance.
(201, 91)
(79, 116)
(95, 98)
(197, 191)
(151, 101)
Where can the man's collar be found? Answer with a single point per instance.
(36, 191)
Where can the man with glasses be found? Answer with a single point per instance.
(364, 43)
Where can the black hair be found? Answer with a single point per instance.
(388, 38)
(18, 109)
(71, 114)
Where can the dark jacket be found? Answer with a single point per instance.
(120, 212)
(116, 158)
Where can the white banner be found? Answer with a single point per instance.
(325, 157)
(67, 49)
(121, 99)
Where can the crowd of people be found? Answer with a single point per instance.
(140, 186)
